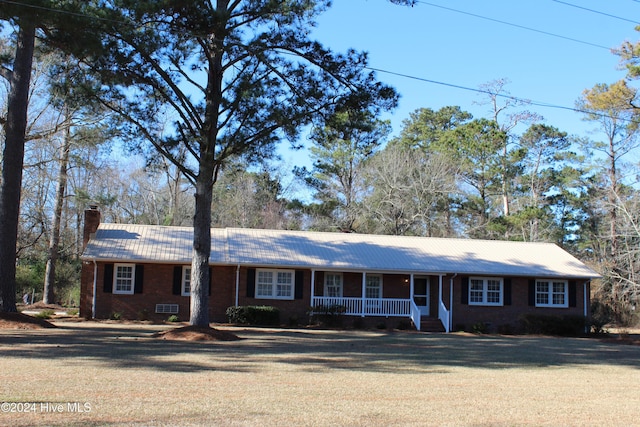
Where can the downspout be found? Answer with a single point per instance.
(95, 287)
(237, 285)
(451, 300)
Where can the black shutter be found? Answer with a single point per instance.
(464, 296)
(137, 289)
(572, 294)
(107, 285)
(532, 292)
(299, 289)
(210, 280)
(251, 282)
(507, 291)
(177, 280)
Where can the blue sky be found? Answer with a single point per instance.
(456, 48)
(430, 42)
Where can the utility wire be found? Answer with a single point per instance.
(523, 27)
(515, 98)
(65, 12)
(597, 11)
(515, 25)
(501, 95)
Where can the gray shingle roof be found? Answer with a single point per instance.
(336, 251)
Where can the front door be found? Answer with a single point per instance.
(421, 294)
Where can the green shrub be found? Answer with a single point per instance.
(72, 311)
(601, 315)
(480, 328)
(260, 315)
(570, 325)
(328, 315)
(115, 316)
(45, 314)
(173, 318)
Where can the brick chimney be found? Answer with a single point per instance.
(91, 223)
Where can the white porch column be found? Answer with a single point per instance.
(411, 287)
(237, 285)
(364, 290)
(313, 285)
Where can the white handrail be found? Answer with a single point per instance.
(415, 315)
(443, 315)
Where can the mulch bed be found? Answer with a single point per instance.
(196, 333)
(22, 321)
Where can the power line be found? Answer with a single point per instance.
(515, 98)
(501, 95)
(597, 11)
(419, 1)
(515, 25)
(60, 11)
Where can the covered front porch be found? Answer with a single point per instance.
(373, 294)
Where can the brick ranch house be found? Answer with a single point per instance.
(145, 269)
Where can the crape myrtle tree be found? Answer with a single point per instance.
(237, 76)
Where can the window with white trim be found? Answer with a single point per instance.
(485, 291)
(274, 284)
(124, 278)
(552, 293)
(333, 285)
(373, 286)
(186, 281)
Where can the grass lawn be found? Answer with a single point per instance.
(88, 373)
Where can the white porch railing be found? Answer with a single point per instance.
(354, 306)
(443, 315)
(416, 316)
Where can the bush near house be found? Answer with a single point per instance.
(261, 315)
(566, 326)
(327, 315)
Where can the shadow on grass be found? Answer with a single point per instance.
(131, 346)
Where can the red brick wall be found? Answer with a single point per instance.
(506, 316)
(291, 311)
(158, 289)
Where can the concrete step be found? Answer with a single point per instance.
(431, 325)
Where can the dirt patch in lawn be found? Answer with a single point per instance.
(22, 321)
(196, 333)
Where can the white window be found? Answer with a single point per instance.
(373, 287)
(333, 285)
(485, 291)
(274, 284)
(123, 279)
(552, 293)
(186, 281)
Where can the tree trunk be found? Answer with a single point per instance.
(12, 163)
(52, 258)
(201, 248)
(613, 201)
